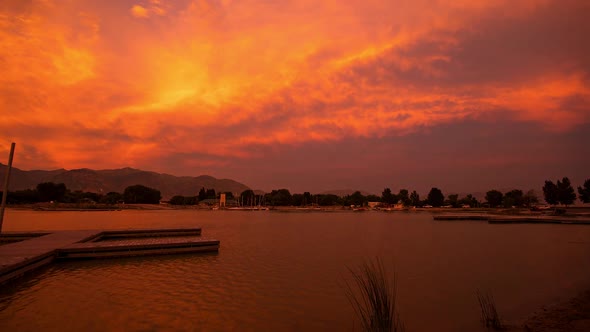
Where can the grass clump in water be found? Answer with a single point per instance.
(489, 314)
(374, 298)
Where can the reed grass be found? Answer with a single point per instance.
(489, 314)
(373, 296)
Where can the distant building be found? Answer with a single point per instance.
(222, 200)
(373, 205)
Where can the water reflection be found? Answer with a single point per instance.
(282, 271)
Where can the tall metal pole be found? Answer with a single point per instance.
(6, 178)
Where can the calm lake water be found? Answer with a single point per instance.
(278, 271)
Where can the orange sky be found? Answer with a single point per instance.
(200, 86)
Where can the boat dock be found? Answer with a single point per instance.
(24, 252)
(501, 219)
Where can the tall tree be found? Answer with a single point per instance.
(211, 194)
(453, 200)
(414, 198)
(281, 197)
(513, 198)
(550, 192)
(202, 194)
(530, 198)
(247, 197)
(468, 200)
(387, 197)
(357, 198)
(565, 192)
(494, 198)
(297, 199)
(307, 198)
(584, 192)
(436, 197)
(404, 197)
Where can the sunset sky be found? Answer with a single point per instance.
(300, 94)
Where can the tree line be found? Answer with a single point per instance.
(58, 192)
(561, 192)
(554, 194)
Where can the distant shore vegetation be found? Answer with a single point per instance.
(556, 193)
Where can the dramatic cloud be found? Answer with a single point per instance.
(201, 86)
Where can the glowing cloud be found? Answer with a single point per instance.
(139, 11)
(148, 79)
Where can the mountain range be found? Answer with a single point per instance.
(104, 181)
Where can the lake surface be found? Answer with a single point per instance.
(279, 271)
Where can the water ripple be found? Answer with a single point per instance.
(284, 272)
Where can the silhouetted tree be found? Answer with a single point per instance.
(494, 198)
(530, 198)
(373, 198)
(327, 199)
(415, 198)
(307, 198)
(281, 197)
(211, 194)
(356, 199)
(247, 197)
(112, 198)
(79, 196)
(190, 200)
(404, 197)
(139, 194)
(183, 200)
(177, 200)
(453, 200)
(584, 192)
(513, 198)
(387, 197)
(27, 196)
(202, 194)
(469, 200)
(565, 192)
(436, 197)
(49, 191)
(550, 192)
(297, 199)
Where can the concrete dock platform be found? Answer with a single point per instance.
(37, 249)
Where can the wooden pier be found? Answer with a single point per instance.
(41, 248)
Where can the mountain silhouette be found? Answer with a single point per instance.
(104, 181)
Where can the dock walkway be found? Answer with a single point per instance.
(516, 219)
(20, 257)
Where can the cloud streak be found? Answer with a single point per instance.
(209, 79)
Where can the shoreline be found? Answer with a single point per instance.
(571, 315)
(461, 213)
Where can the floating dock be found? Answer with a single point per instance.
(461, 217)
(499, 219)
(37, 249)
